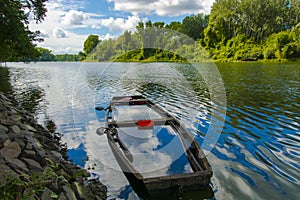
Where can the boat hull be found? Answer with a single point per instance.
(198, 179)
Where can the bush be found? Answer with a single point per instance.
(250, 52)
(277, 45)
(269, 53)
(291, 50)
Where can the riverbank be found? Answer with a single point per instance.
(32, 165)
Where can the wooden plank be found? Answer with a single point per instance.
(133, 123)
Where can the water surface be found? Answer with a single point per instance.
(257, 154)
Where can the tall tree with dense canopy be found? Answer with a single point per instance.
(90, 43)
(194, 25)
(255, 19)
(16, 40)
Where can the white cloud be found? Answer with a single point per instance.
(120, 24)
(72, 44)
(56, 29)
(163, 7)
(74, 17)
(59, 33)
(62, 17)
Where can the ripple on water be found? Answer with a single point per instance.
(260, 140)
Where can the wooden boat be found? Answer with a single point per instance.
(134, 119)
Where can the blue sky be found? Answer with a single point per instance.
(69, 22)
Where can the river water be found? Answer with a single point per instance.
(247, 118)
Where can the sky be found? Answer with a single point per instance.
(69, 22)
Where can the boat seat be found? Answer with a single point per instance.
(133, 123)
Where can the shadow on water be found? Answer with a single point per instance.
(5, 85)
(30, 95)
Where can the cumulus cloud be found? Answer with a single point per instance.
(118, 24)
(59, 33)
(74, 17)
(163, 7)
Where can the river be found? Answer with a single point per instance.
(247, 118)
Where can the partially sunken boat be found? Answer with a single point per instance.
(154, 150)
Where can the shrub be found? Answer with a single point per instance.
(291, 50)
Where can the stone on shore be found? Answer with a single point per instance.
(32, 164)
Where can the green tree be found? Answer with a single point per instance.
(159, 24)
(255, 19)
(16, 40)
(45, 55)
(176, 26)
(81, 56)
(294, 13)
(194, 25)
(282, 45)
(90, 43)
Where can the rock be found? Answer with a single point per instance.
(30, 128)
(6, 173)
(20, 141)
(15, 129)
(62, 196)
(97, 188)
(14, 118)
(10, 150)
(29, 154)
(56, 155)
(28, 193)
(3, 137)
(70, 195)
(40, 155)
(5, 122)
(47, 194)
(29, 141)
(78, 190)
(32, 165)
(3, 129)
(27, 147)
(17, 165)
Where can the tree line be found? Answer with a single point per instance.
(246, 30)
(235, 30)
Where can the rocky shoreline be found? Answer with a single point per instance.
(32, 165)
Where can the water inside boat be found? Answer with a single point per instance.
(156, 149)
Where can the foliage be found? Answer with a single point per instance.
(90, 43)
(176, 26)
(245, 30)
(194, 25)
(283, 45)
(150, 55)
(45, 55)
(254, 18)
(253, 29)
(16, 40)
(67, 57)
(104, 51)
(14, 187)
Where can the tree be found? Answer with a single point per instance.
(194, 25)
(255, 19)
(45, 54)
(90, 43)
(81, 56)
(176, 26)
(16, 40)
(294, 13)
